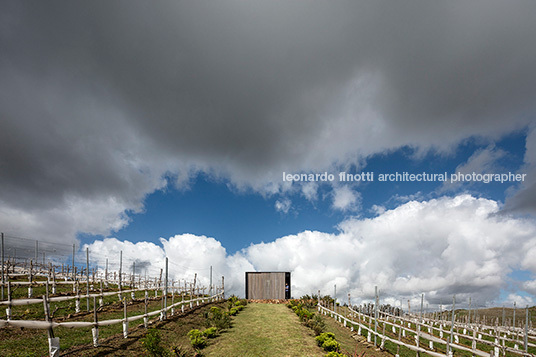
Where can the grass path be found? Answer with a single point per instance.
(265, 330)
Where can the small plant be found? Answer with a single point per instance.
(233, 311)
(217, 318)
(214, 310)
(210, 332)
(327, 341)
(331, 345)
(316, 324)
(223, 322)
(300, 309)
(151, 342)
(323, 337)
(197, 339)
(304, 314)
(292, 304)
(231, 301)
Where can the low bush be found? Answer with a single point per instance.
(323, 337)
(327, 341)
(309, 301)
(197, 339)
(232, 301)
(292, 303)
(217, 318)
(151, 342)
(305, 314)
(331, 345)
(211, 332)
(316, 324)
(214, 310)
(300, 309)
(222, 323)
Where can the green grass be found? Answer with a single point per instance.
(265, 330)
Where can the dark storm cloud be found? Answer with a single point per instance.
(524, 199)
(99, 99)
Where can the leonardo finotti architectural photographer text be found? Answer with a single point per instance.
(405, 177)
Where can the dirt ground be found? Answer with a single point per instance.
(173, 332)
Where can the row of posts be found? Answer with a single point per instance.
(450, 341)
(52, 274)
(54, 346)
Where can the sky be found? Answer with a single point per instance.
(182, 129)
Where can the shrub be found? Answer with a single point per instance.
(293, 302)
(331, 345)
(217, 318)
(299, 308)
(197, 339)
(309, 301)
(231, 301)
(223, 322)
(304, 315)
(151, 342)
(215, 311)
(210, 332)
(235, 303)
(316, 324)
(323, 337)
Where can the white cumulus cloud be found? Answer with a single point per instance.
(346, 199)
(441, 247)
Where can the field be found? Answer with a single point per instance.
(72, 310)
(266, 330)
(258, 330)
(405, 335)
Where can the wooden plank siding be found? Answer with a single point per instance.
(267, 285)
